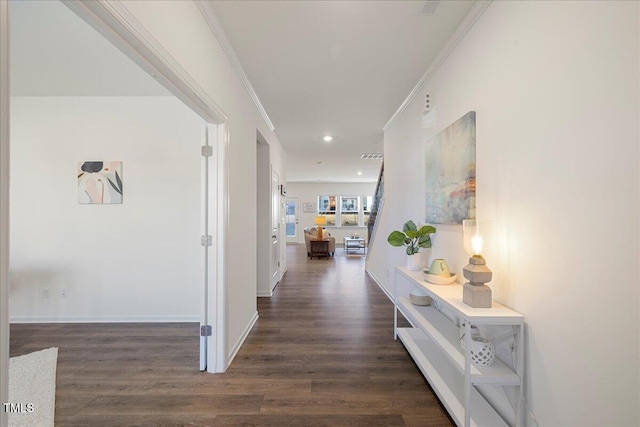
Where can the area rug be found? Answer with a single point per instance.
(32, 388)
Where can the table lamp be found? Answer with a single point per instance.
(319, 221)
(475, 235)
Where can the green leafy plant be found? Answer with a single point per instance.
(412, 237)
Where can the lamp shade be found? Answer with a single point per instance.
(320, 220)
(476, 235)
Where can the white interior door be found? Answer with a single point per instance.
(212, 357)
(206, 240)
(291, 220)
(275, 229)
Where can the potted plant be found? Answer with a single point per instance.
(413, 238)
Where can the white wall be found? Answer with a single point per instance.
(140, 260)
(183, 32)
(556, 89)
(308, 193)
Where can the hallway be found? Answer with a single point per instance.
(322, 353)
(328, 329)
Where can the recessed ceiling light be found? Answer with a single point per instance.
(328, 138)
(359, 172)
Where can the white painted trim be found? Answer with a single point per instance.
(265, 294)
(243, 337)
(206, 8)
(218, 304)
(106, 319)
(4, 207)
(113, 20)
(207, 206)
(379, 283)
(467, 23)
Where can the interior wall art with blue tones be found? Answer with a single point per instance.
(100, 182)
(450, 173)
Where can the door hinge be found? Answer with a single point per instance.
(207, 151)
(206, 331)
(206, 241)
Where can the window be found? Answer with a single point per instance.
(345, 211)
(349, 211)
(327, 208)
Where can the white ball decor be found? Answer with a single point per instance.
(482, 351)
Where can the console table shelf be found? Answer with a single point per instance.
(446, 381)
(434, 344)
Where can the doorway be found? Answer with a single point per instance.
(275, 229)
(269, 224)
(292, 220)
(135, 165)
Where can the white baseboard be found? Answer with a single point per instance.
(238, 344)
(105, 319)
(269, 294)
(380, 285)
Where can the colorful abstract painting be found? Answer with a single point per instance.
(451, 173)
(100, 182)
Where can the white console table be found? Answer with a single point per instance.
(434, 344)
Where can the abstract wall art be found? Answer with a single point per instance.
(451, 173)
(100, 182)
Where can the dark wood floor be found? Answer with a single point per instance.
(321, 354)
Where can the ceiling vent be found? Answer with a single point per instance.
(430, 6)
(371, 156)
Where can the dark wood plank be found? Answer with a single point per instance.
(321, 354)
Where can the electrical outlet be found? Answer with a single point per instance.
(45, 293)
(64, 292)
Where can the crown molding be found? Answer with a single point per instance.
(114, 21)
(206, 8)
(467, 23)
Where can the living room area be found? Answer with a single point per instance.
(345, 209)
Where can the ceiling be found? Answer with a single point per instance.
(339, 68)
(335, 67)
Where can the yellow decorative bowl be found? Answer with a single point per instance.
(437, 279)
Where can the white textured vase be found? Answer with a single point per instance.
(414, 262)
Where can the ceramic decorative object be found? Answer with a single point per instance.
(418, 296)
(439, 279)
(439, 267)
(482, 351)
(414, 262)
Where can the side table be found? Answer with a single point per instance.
(353, 244)
(319, 248)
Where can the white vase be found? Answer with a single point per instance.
(414, 262)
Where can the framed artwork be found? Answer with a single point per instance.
(99, 182)
(308, 207)
(450, 173)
